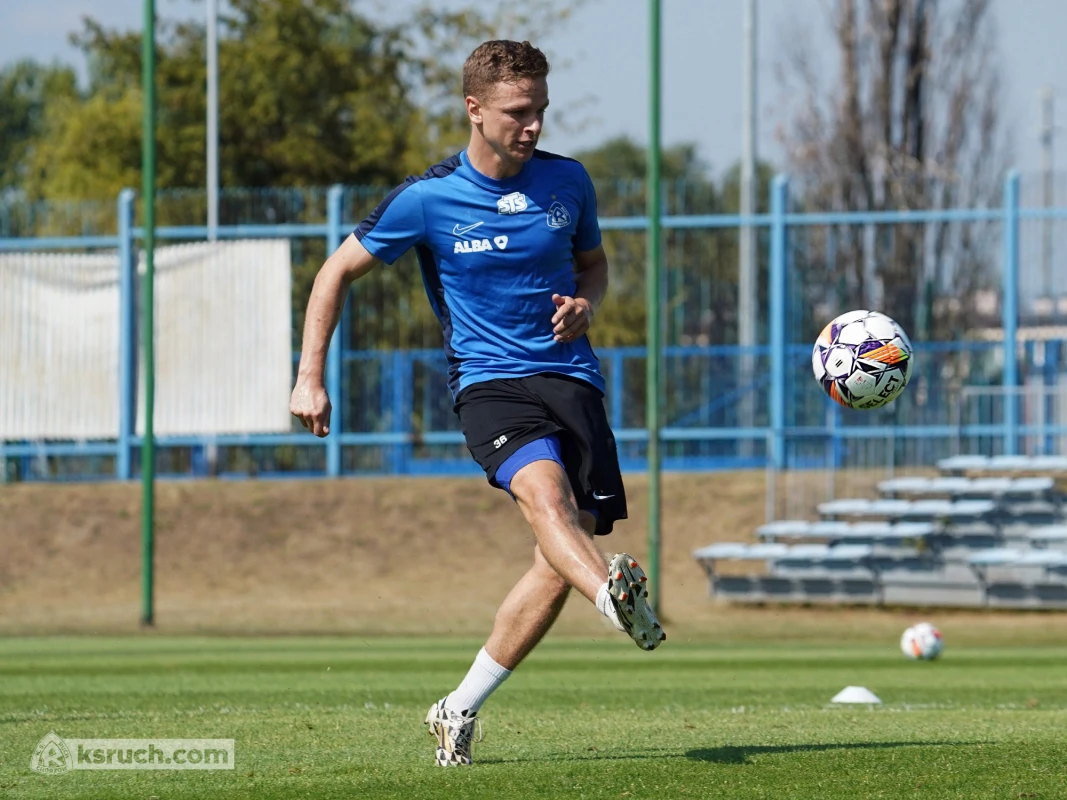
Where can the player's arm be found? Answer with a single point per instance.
(575, 314)
(393, 227)
(591, 275)
(310, 403)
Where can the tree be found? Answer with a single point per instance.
(311, 92)
(701, 264)
(26, 88)
(730, 188)
(911, 122)
(617, 168)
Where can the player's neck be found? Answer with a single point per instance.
(489, 163)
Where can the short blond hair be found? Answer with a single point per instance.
(501, 61)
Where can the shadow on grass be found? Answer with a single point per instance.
(740, 754)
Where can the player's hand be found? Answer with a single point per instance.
(572, 318)
(311, 405)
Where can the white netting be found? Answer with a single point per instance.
(223, 350)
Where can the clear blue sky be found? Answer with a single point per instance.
(605, 83)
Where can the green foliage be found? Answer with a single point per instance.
(316, 92)
(731, 188)
(626, 160)
(26, 89)
(618, 169)
(91, 149)
(311, 93)
(700, 265)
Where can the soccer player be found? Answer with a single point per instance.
(509, 247)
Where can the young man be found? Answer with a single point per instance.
(509, 247)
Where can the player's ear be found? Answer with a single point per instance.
(474, 110)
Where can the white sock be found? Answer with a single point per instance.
(484, 677)
(606, 607)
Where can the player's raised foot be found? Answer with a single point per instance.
(454, 732)
(628, 588)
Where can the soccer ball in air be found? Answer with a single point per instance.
(922, 641)
(862, 359)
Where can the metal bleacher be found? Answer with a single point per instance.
(986, 532)
(961, 465)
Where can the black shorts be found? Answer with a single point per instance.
(500, 416)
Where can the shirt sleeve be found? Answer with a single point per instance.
(587, 231)
(397, 224)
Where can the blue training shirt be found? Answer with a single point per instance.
(492, 254)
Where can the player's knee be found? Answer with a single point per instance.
(543, 492)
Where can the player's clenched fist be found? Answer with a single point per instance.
(311, 405)
(572, 318)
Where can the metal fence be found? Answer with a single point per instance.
(727, 406)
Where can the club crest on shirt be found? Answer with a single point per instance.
(512, 203)
(558, 215)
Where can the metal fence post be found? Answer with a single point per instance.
(617, 398)
(127, 334)
(403, 376)
(778, 277)
(770, 507)
(1010, 312)
(334, 360)
(1049, 414)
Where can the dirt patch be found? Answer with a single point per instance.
(369, 555)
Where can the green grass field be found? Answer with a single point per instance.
(342, 718)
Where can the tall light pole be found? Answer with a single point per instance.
(212, 119)
(148, 304)
(747, 301)
(1048, 132)
(653, 330)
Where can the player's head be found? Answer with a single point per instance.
(506, 90)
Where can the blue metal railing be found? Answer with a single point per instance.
(706, 423)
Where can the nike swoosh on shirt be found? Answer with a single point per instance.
(602, 496)
(459, 231)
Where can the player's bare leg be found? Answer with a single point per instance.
(619, 589)
(544, 495)
(527, 613)
(521, 622)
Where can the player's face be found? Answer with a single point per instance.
(512, 118)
